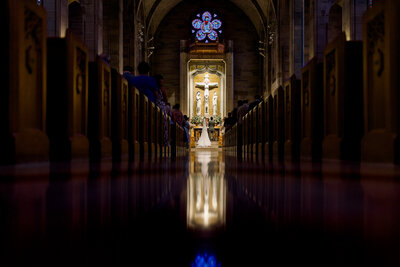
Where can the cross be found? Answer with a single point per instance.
(206, 85)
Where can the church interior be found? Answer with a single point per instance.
(299, 99)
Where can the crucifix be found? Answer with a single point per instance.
(206, 85)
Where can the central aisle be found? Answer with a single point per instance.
(202, 208)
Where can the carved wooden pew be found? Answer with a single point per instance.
(246, 135)
(249, 126)
(381, 28)
(236, 140)
(99, 131)
(152, 131)
(168, 150)
(134, 127)
(311, 110)
(182, 141)
(178, 143)
(120, 116)
(260, 131)
(233, 140)
(240, 140)
(160, 133)
(255, 127)
(343, 97)
(67, 98)
(23, 103)
(292, 119)
(144, 128)
(174, 140)
(279, 124)
(228, 142)
(164, 147)
(269, 124)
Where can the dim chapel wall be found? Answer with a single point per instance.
(176, 26)
(109, 27)
(303, 30)
(113, 32)
(57, 17)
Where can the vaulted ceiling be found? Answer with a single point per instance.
(257, 10)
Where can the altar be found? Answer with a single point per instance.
(195, 134)
(206, 80)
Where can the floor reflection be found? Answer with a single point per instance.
(205, 260)
(206, 201)
(197, 211)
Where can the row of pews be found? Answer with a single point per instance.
(58, 106)
(346, 108)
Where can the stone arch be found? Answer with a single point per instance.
(156, 10)
(75, 19)
(334, 22)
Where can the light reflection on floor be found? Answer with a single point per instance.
(206, 187)
(207, 208)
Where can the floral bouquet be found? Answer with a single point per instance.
(217, 120)
(196, 120)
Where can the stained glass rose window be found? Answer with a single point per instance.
(206, 27)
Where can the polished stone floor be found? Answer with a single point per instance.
(204, 210)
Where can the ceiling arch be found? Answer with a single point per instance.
(258, 11)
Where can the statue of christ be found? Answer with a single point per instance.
(206, 85)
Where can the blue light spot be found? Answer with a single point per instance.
(205, 260)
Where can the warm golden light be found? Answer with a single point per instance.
(206, 187)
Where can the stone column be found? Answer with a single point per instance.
(319, 17)
(296, 48)
(129, 33)
(352, 19)
(229, 77)
(184, 92)
(139, 37)
(308, 30)
(93, 28)
(284, 39)
(113, 32)
(57, 17)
